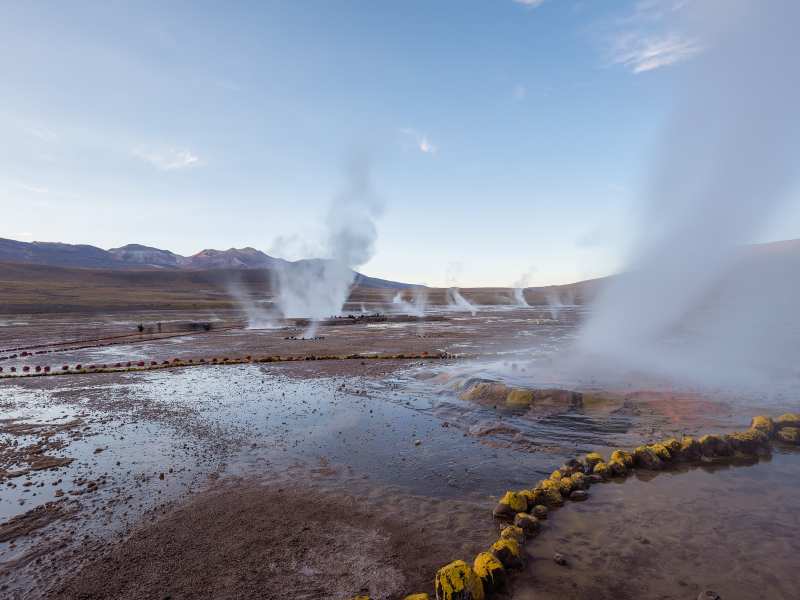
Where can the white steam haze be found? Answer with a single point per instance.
(317, 289)
(456, 301)
(695, 303)
(414, 308)
(519, 287)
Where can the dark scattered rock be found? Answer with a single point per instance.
(579, 495)
(709, 595)
(560, 559)
(540, 511)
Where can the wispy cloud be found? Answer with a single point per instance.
(421, 140)
(530, 3)
(36, 189)
(642, 52)
(652, 35)
(168, 160)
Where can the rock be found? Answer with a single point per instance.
(579, 495)
(512, 532)
(516, 501)
(417, 597)
(491, 572)
(457, 581)
(508, 552)
(528, 523)
(763, 424)
(662, 452)
(593, 478)
(503, 511)
(672, 445)
(789, 435)
(519, 398)
(602, 470)
(713, 446)
(548, 492)
(560, 559)
(592, 459)
(617, 468)
(646, 458)
(626, 458)
(788, 420)
(565, 486)
(748, 442)
(556, 475)
(690, 450)
(579, 481)
(709, 595)
(573, 465)
(540, 511)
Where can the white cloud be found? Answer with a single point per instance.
(421, 140)
(641, 52)
(530, 3)
(168, 160)
(36, 189)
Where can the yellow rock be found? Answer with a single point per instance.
(617, 468)
(528, 495)
(625, 457)
(646, 458)
(491, 572)
(661, 451)
(763, 423)
(592, 459)
(789, 435)
(602, 469)
(361, 597)
(748, 442)
(690, 449)
(788, 420)
(529, 524)
(417, 597)
(553, 497)
(565, 486)
(457, 581)
(579, 481)
(518, 398)
(507, 552)
(515, 501)
(672, 445)
(714, 445)
(512, 532)
(486, 393)
(556, 475)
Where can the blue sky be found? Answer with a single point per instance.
(505, 137)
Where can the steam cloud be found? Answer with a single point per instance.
(695, 304)
(316, 289)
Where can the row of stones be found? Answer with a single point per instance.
(526, 508)
(141, 365)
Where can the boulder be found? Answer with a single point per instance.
(512, 532)
(602, 470)
(788, 420)
(457, 581)
(714, 446)
(672, 445)
(592, 459)
(617, 468)
(491, 573)
(662, 452)
(540, 511)
(789, 435)
(763, 424)
(508, 552)
(579, 495)
(421, 596)
(528, 523)
(516, 501)
(503, 511)
(748, 442)
(519, 398)
(579, 481)
(624, 457)
(691, 450)
(646, 458)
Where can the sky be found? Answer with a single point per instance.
(508, 140)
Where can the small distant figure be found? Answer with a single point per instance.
(140, 327)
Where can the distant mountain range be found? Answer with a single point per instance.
(138, 257)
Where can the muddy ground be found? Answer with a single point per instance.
(320, 479)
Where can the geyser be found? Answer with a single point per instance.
(695, 303)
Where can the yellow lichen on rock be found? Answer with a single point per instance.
(788, 420)
(422, 596)
(661, 451)
(515, 501)
(579, 481)
(789, 435)
(690, 449)
(512, 532)
(556, 475)
(626, 458)
(490, 571)
(714, 446)
(528, 523)
(519, 398)
(763, 423)
(360, 597)
(646, 458)
(528, 495)
(592, 459)
(507, 552)
(672, 445)
(602, 469)
(457, 581)
(565, 486)
(749, 442)
(617, 468)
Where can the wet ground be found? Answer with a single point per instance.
(380, 432)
